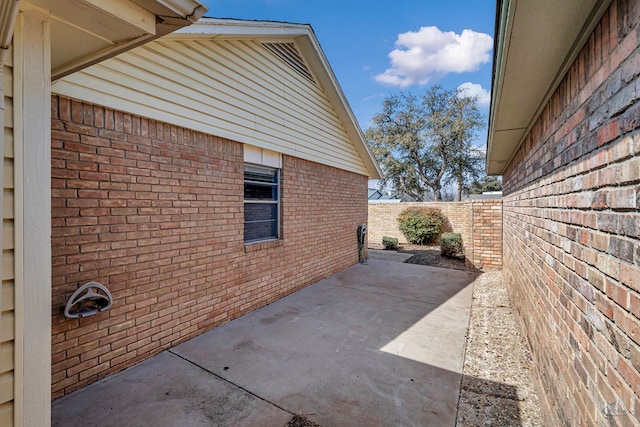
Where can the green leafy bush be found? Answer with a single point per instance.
(421, 225)
(390, 243)
(451, 245)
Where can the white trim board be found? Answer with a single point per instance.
(32, 136)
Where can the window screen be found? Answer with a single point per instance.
(261, 203)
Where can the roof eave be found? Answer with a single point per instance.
(170, 15)
(548, 35)
(322, 70)
(188, 10)
(234, 28)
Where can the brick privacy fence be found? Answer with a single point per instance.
(155, 213)
(572, 231)
(478, 221)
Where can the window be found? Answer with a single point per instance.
(261, 203)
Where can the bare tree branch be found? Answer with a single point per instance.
(423, 143)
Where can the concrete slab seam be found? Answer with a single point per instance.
(230, 382)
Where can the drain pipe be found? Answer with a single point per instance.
(362, 233)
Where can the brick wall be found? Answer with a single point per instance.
(478, 221)
(155, 213)
(486, 234)
(383, 220)
(572, 231)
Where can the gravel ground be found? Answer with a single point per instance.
(497, 385)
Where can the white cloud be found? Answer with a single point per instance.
(423, 56)
(474, 89)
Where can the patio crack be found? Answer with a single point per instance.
(231, 382)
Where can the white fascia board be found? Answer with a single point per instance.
(190, 10)
(321, 69)
(217, 27)
(514, 34)
(502, 27)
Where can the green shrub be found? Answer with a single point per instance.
(421, 225)
(390, 243)
(451, 245)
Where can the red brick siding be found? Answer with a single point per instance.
(572, 230)
(155, 212)
(486, 232)
(478, 221)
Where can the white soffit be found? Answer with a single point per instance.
(84, 32)
(536, 43)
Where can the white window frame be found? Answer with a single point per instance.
(276, 202)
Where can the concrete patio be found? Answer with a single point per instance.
(376, 344)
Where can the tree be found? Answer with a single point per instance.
(467, 161)
(487, 183)
(421, 143)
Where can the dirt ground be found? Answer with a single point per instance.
(430, 255)
(299, 420)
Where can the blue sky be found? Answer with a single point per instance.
(430, 42)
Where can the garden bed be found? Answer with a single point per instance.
(430, 255)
